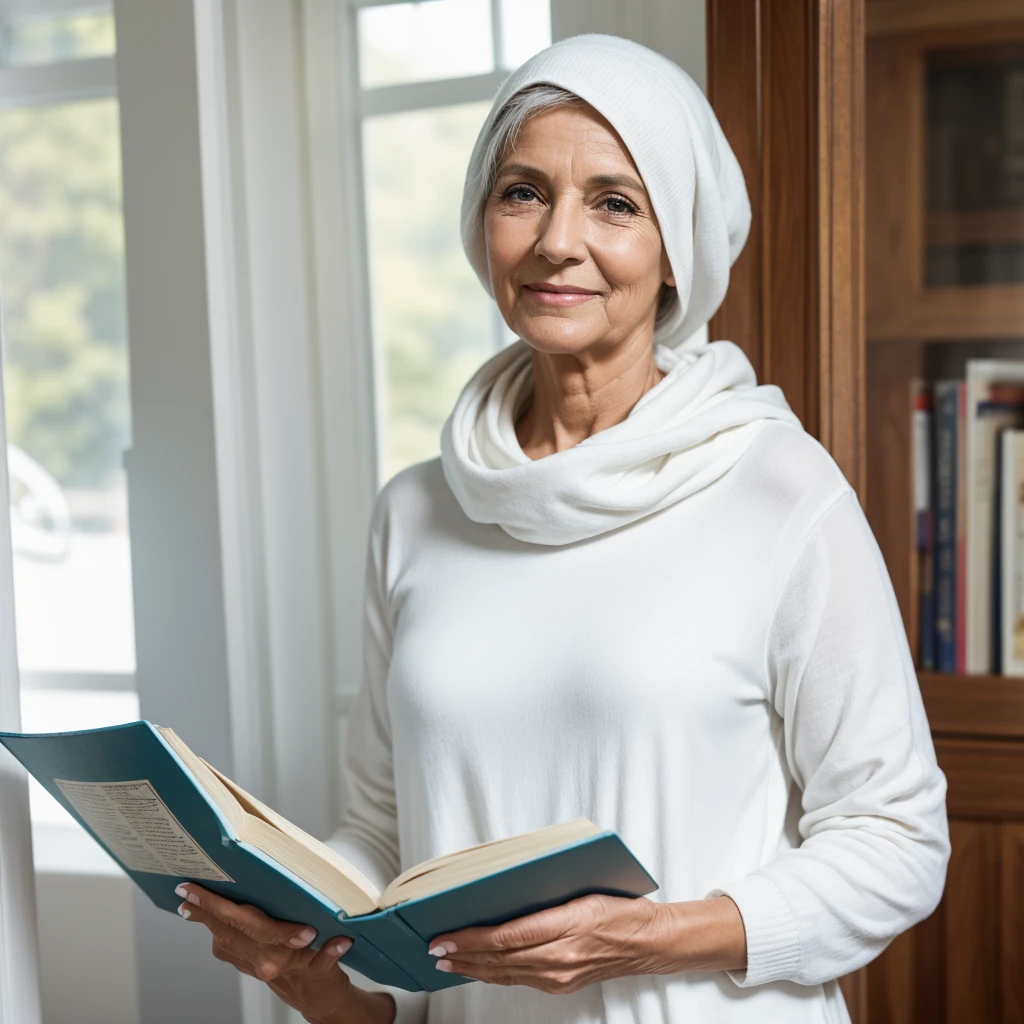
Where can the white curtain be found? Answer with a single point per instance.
(19, 970)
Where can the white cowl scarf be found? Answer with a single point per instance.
(691, 427)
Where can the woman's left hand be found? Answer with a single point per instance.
(595, 938)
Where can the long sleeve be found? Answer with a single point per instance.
(368, 836)
(874, 837)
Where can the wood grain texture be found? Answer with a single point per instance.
(946, 314)
(972, 978)
(960, 705)
(890, 144)
(888, 17)
(841, 236)
(1012, 915)
(786, 80)
(733, 30)
(985, 778)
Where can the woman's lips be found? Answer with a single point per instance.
(558, 295)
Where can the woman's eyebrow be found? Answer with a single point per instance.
(521, 170)
(617, 181)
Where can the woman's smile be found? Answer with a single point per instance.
(558, 294)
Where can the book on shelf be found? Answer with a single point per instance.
(923, 525)
(1011, 591)
(964, 544)
(947, 404)
(995, 402)
(167, 817)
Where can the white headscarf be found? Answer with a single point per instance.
(694, 424)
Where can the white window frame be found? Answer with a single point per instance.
(46, 85)
(19, 967)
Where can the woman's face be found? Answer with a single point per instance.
(573, 246)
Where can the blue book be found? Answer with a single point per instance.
(168, 817)
(946, 490)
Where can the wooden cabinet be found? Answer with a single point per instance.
(887, 247)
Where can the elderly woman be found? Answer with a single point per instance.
(632, 589)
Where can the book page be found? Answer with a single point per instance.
(139, 828)
(479, 861)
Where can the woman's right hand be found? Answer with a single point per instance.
(276, 952)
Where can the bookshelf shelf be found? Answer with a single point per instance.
(973, 705)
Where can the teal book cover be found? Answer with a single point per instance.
(129, 789)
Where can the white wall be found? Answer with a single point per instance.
(87, 949)
(675, 28)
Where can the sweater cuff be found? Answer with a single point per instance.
(773, 938)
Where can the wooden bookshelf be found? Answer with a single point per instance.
(966, 962)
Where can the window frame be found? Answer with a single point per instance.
(46, 85)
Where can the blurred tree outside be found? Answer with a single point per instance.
(433, 322)
(45, 37)
(62, 275)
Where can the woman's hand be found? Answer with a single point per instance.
(277, 953)
(595, 938)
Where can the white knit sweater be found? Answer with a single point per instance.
(725, 682)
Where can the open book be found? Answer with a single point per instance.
(167, 816)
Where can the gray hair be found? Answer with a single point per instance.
(519, 108)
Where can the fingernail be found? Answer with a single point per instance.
(184, 911)
(304, 938)
(193, 898)
(182, 892)
(443, 965)
(344, 946)
(437, 951)
(443, 947)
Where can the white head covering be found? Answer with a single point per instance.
(692, 426)
(692, 177)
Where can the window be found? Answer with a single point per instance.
(427, 74)
(65, 382)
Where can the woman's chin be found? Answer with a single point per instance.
(559, 334)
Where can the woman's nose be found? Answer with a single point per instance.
(561, 236)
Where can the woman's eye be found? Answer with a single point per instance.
(521, 193)
(616, 204)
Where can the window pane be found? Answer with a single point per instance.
(433, 322)
(46, 39)
(525, 30)
(66, 385)
(424, 41)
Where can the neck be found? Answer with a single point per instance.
(578, 394)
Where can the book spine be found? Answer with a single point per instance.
(995, 556)
(945, 525)
(922, 434)
(1016, 569)
(961, 528)
(1012, 553)
(995, 401)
